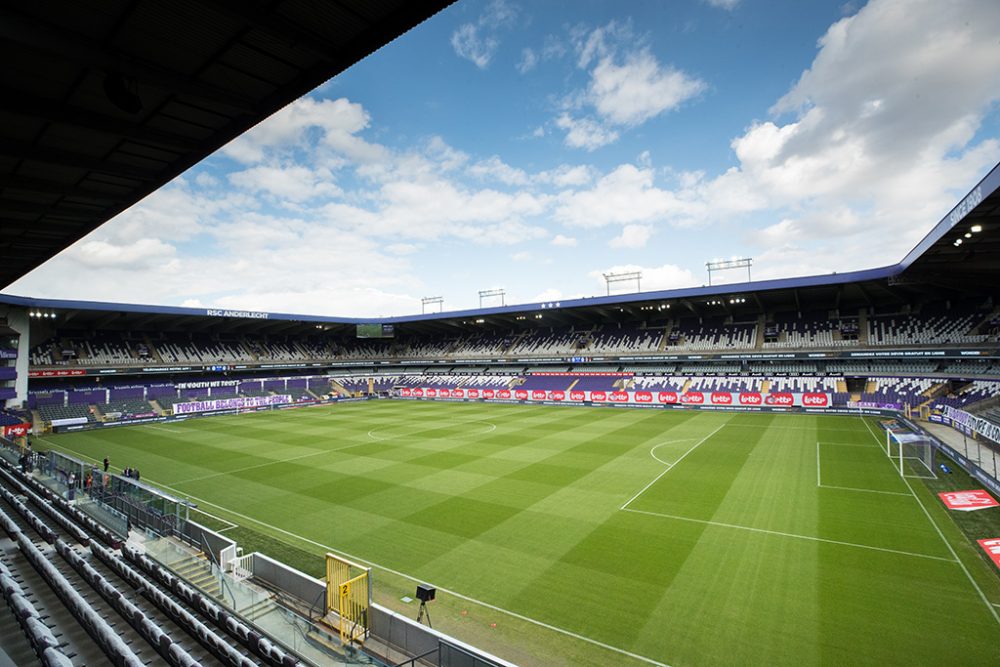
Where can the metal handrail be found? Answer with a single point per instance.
(413, 661)
(222, 575)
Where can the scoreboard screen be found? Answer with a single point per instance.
(375, 331)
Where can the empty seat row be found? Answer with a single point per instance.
(105, 636)
(258, 644)
(43, 641)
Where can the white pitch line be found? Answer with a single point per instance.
(467, 598)
(811, 538)
(671, 466)
(819, 480)
(667, 442)
(854, 488)
(989, 605)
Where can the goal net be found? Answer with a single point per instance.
(911, 454)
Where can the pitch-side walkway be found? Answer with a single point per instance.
(982, 455)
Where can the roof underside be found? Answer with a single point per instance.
(105, 101)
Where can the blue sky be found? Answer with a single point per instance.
(535, 146)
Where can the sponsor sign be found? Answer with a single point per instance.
(780, 399)
(992, 549)
(815, 400)
(16, 430)
(968, 501)
(719, 399)
(57, 373)
(241, 403)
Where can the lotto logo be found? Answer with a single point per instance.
(815, 400)
(968, 501)
(992, 548)
(722, 398)
(751, 399)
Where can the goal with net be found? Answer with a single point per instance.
(912, 454)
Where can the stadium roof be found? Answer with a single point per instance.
(105, 102)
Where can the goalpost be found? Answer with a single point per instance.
(911, 454)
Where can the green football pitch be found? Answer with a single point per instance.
(562, 535)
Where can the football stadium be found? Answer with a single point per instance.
(776, 471)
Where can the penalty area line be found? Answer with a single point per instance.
(811, 538)
(991, 607)
(513, 614)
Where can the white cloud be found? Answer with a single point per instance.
(522, 256)
(549, 294)
(667, 276)
(627, 195)
(478, 42)
(139, 255)
(564, 241)
(528, 61)
(728, 5)
(632, 236)
(639, 88)
(585, 133)
(336, 121)
(628, 86)
(295, 182)
(496, 169)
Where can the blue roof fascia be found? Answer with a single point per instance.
(985, 187)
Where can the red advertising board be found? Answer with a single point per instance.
(713, 398)
(58, 373)
(16, 430)
(815, 400)
(780, 398)
(405, 391)
(721, 398)
(667, 397)
(968, 501)
(992, 549)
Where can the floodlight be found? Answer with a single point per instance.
(968, 235)
(977, 228)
